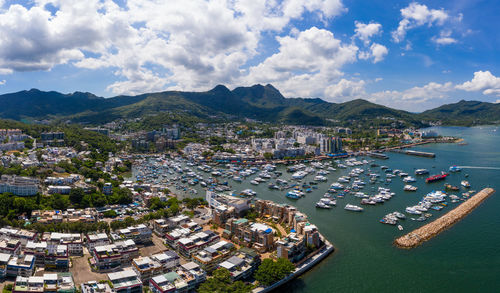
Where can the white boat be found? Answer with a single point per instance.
(421, 171)
(254, 182)
(299, 175)
(409, 179)
(322, 205)
(409, 187)
(354, 208)
(328, 201)
(320, 178)
(465, 183)
(413, 211)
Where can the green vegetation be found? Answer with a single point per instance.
(220, 282)
(271, 271)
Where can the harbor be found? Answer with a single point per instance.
(427, 232)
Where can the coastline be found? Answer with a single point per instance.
(308, 264)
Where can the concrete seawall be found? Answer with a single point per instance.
(426, 232)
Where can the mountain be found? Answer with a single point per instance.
(261, 102)
(464, 113)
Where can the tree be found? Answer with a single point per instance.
(76, 195)
(296, 144)
(221, 282)
(268, 156)
(271, 271)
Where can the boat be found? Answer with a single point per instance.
(410, 188)
(465, 183)
(400, 228)
(248, 192)
(437, 177)
(448, 186)
(254, 182)
(353, 208)
(413, 211)
(409, 179)
(455, 168)
(421, 171)
(328, 201)
(294, 194)
(320, 178)
(322, 205)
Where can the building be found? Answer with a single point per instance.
(196, 241)
(107, 189)
(96, 239)
(210, 256)
(125, 281)
(74, 241)
(61, 189)
(183, 279)
(96, 287)
(51, 256)
(140, 234)
(13, 233)
(4, 261)
(242, 264)
(52, 138)
(21, 265)
(20, 186)
(10, 246)
(114, 255)
(331, 145)
(256, 235)
(88, 215)
(292, 247)
(147, 267)
(56, 282)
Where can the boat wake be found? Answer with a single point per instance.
(479, 167)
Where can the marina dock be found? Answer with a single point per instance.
(426, 232)
(414, 153)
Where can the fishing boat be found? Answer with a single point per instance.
(448, 186)
(437, 177)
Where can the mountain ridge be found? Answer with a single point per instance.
(261, 102)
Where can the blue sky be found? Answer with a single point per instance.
(412, 55)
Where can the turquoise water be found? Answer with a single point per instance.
(465, 258)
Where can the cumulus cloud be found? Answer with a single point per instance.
(365, 31)
(2, 82)
(484, 82)
(148, 44)
(305, 64)
(415, 15)
(346, 90)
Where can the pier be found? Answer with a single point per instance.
(414, 153)
(427, 232)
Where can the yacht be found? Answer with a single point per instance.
(320, 178)
(413, 211)
(455, 168)
(421, 171)
(328, 201)
(409, 187)
(465, 183)
(409, 179)
(294, 194)
(254, 182)
(321, 205)
(353, 208)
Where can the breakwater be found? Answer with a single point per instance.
(426, 232)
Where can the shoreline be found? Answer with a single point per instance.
(305, 266)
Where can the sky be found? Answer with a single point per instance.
(403, 54)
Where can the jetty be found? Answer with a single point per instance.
(428, 231)
(414, 153)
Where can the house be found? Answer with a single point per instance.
(210, 256)
(125, 281)
(114, 255)
(4, 261)
(95, 287)
(50, 256)
(74, 241)
(55, 282)
(10, 246)
(96, 239)
(140, 234)
(22, 265)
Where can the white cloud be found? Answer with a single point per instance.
(483, 81)
(305, 64)
(365, 31)
(345, 90)
(415, 15)
(2, 82)
(415, 98)
(378, 52)
(150, 45)
(444, 38)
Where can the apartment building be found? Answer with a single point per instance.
(242, 264)
(257, 235)
(210, 256)
(292, 247)
(196, 241)
(10, 246)
(125, 281)
(60, 282)
(22, 235)
(88, 215)
(50, 256)
(21, 265)
(179, 280)
(4, 261)
(96, 287)
(149, 266)
(20, 186)
(96, 239)
(140, 234)
(114, 255)
(74, 241)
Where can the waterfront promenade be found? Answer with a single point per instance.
(427, 232)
